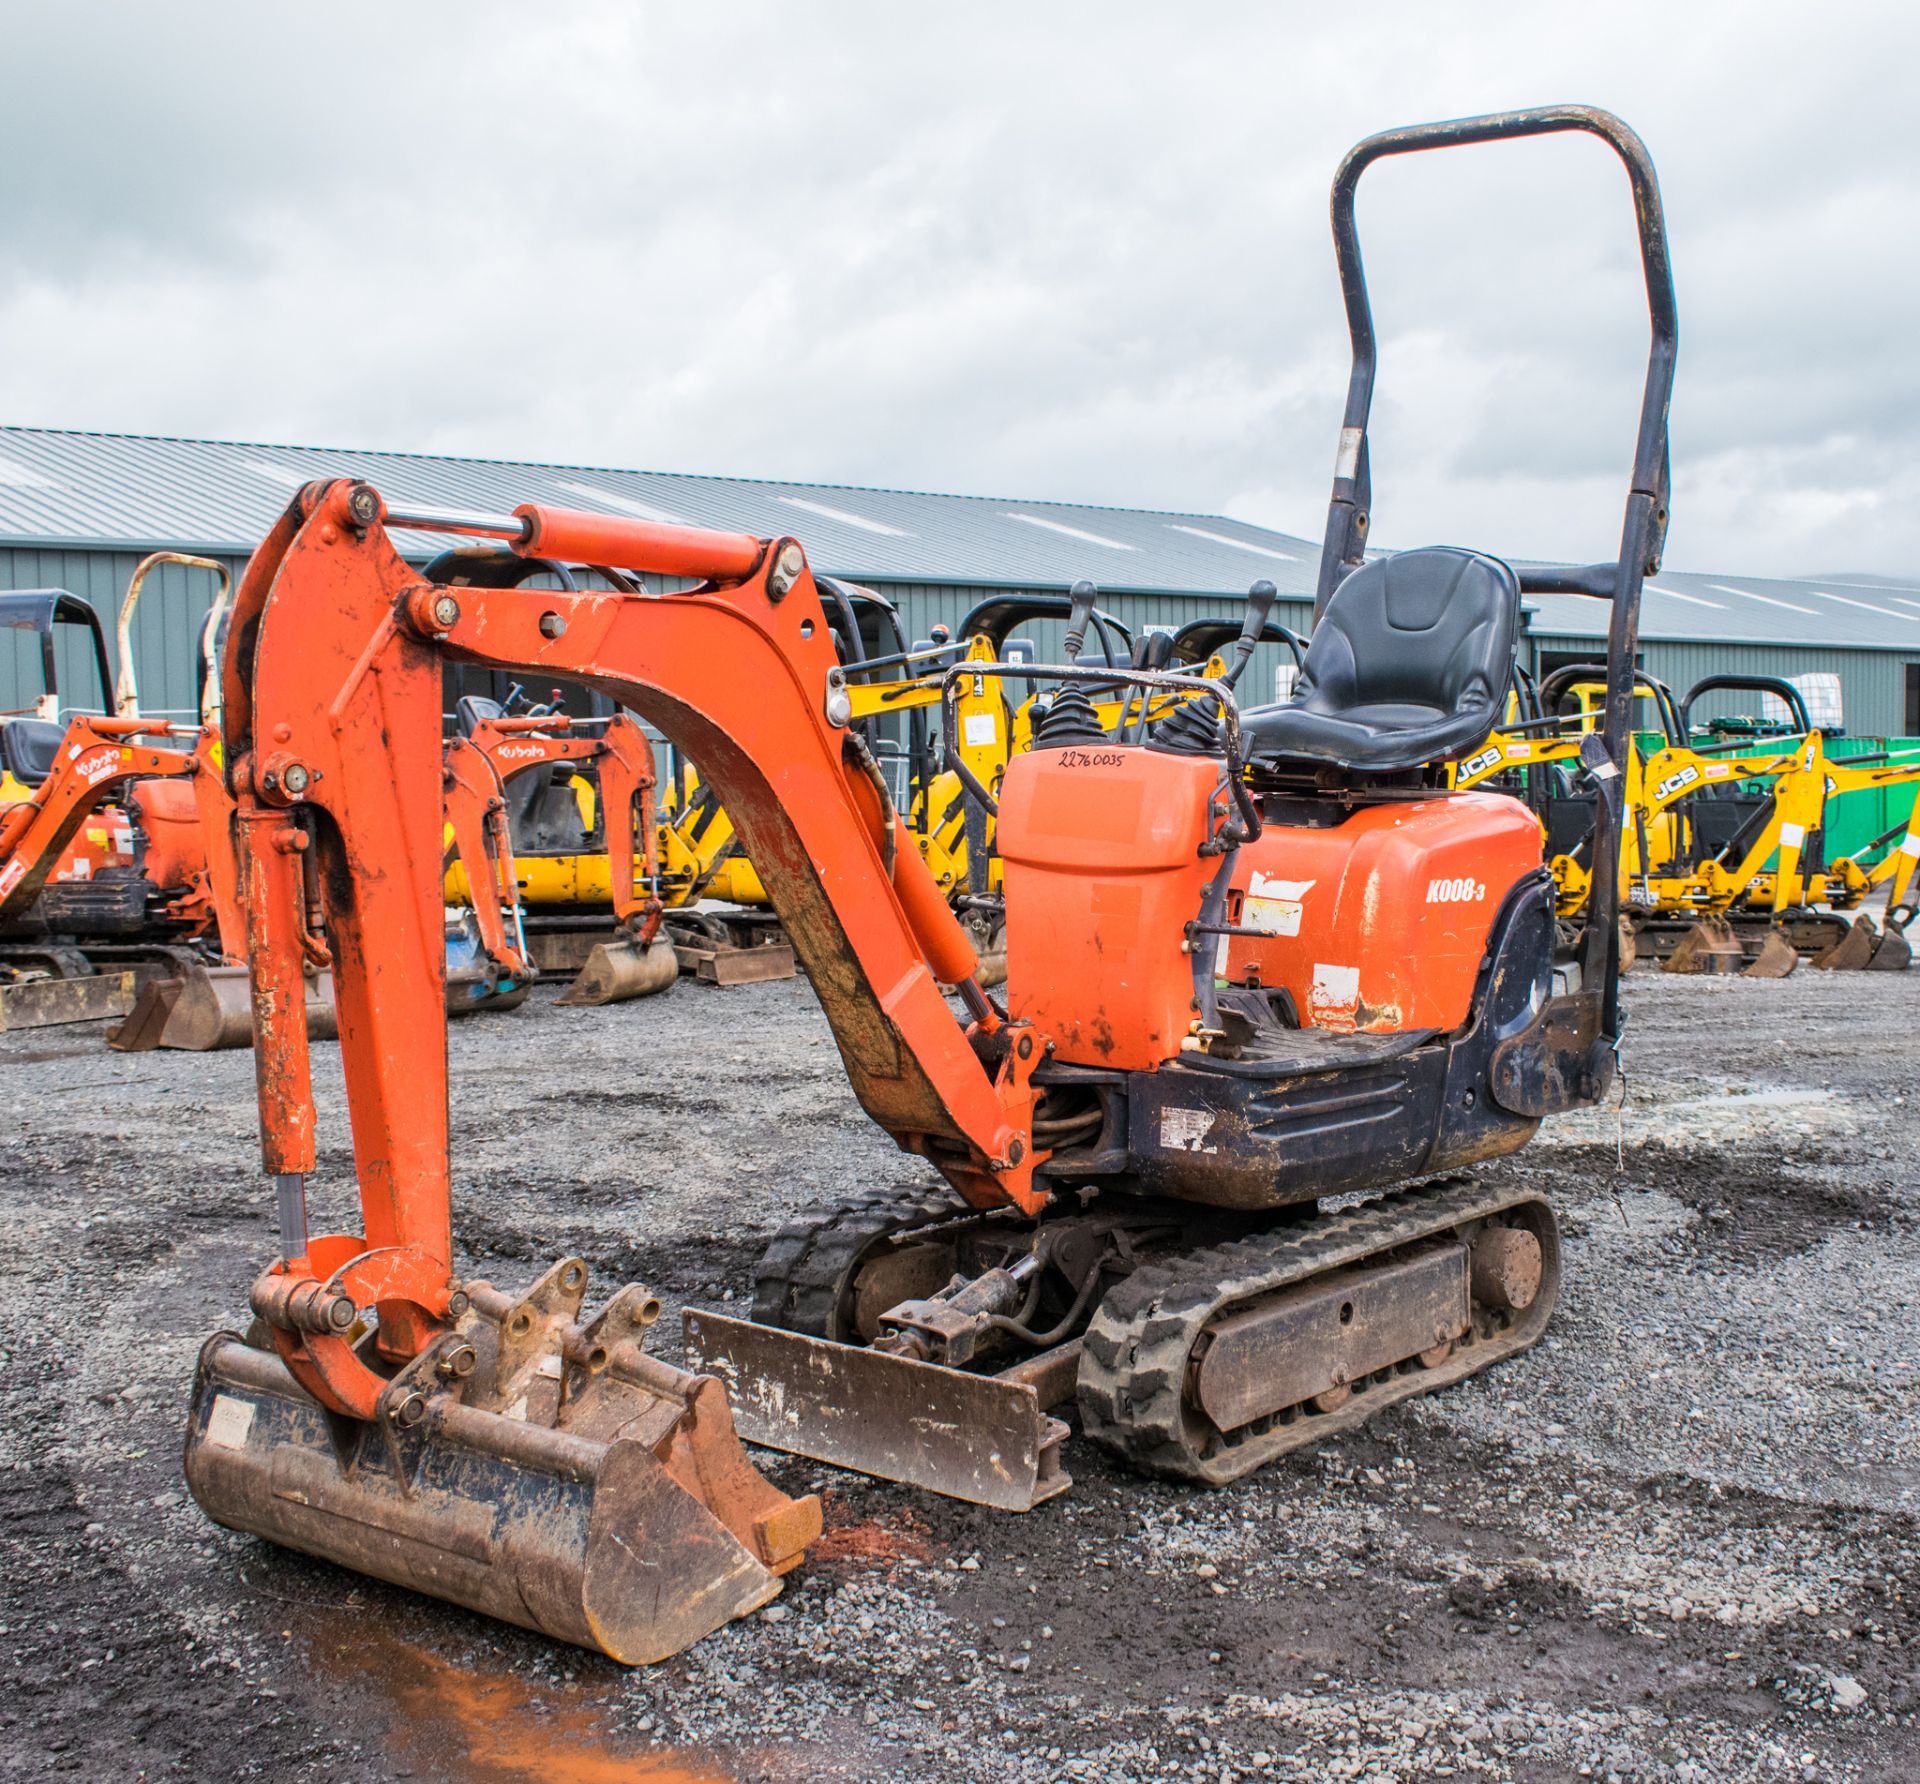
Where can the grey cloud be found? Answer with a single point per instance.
(1077, 252)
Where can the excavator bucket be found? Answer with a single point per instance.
(1853, 952)
(528, 1465)
(616, 971)
(1775, 958)
(1892, 953)
(1710, 946)
(208, 1008)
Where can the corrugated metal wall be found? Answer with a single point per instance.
(1873, 682)
(166, 627)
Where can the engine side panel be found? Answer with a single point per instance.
(1379, 924)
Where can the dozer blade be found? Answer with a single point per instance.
(50, 1002)
(208, 1008)
(1853, 952)
(616, 971)
(1710, 946)
(983, 1438)
(525, 1465)
(1775, 958)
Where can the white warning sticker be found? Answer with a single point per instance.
(979, 731)
(1335, 996)
(1910, 844)
(1792, 835)
(1273, 905)
(229, 1422)
(1186, 1130)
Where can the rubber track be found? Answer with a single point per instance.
(798, 1280)
(1133, 1369)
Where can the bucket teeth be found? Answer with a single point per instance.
(525, 1465)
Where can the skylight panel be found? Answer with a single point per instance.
(280, 474)
(14, 475)
(1765, 600)
(1673, 594)
(626, 504)
(1266, 551)
(1868, 606)
(844, 518)
(1067, 532)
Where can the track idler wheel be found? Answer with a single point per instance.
(529, 1464)
(617, 971)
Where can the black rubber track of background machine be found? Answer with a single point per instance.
(1134, 1367)
(800, 1277)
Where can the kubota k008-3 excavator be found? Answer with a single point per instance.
(1134, 1150)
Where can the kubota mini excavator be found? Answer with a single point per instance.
(1134, 1153)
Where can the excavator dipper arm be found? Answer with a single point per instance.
(333, 709)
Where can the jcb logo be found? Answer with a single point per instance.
(1674, 782)
(1467, 891)
(1485, 759)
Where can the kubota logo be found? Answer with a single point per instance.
(520, 752)
(95, 768)
(1462, 891)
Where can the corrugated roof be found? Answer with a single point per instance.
(134, 492)
(1712, 608)
(130, 491)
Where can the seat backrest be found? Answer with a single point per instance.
(1428, 628)
(471, 710)
(29, 748)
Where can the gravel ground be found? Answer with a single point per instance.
(1677, 1542)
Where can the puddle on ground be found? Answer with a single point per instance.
(483, 1726)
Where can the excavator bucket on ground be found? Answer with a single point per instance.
(1775, 957)
(1710, 946)
(530, 1464)
(618, 970)
(1853, 952)
(208, 1008)
(1892, 952)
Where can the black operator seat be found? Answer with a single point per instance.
(473, 710)
(1409, 664)
(29, 748)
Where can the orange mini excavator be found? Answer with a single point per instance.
(1135, 1151)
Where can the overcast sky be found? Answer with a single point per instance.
(1069, 252)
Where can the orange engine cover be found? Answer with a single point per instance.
(1379, 923)
(1102, 875)
(176, 852)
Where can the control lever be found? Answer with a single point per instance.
(1260, 600)
(1083, 595)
